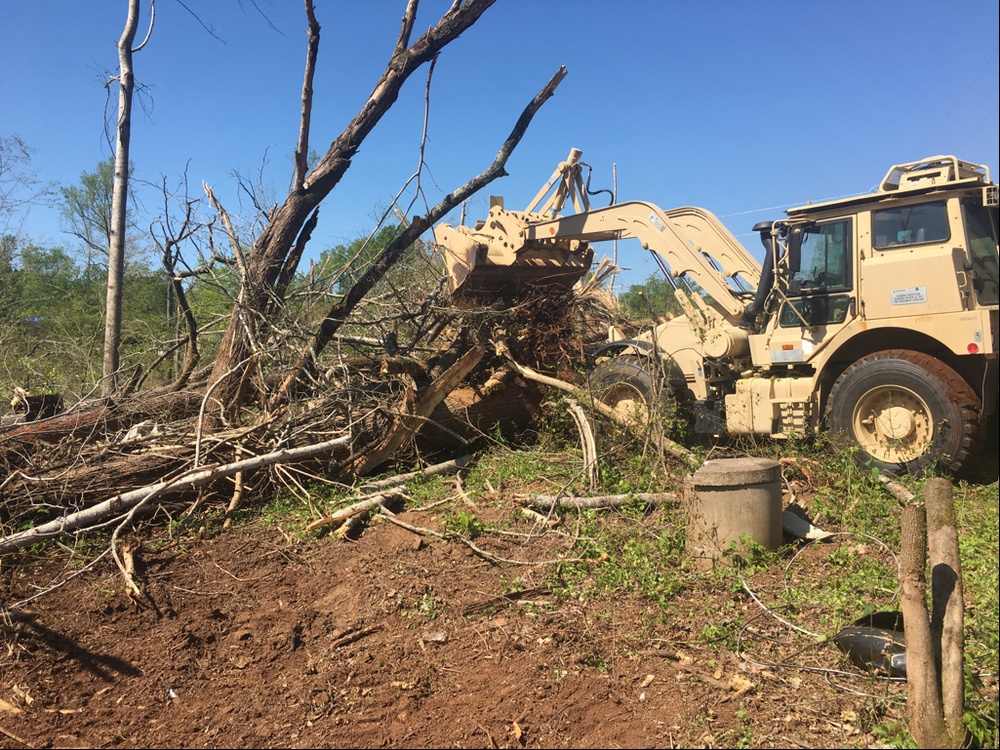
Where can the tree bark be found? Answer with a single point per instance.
(923, 698)
(947, 609)
(119, 204)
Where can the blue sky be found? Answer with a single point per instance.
(743, 108)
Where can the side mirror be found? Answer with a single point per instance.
(794, 250)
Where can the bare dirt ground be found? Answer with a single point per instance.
(259, 638)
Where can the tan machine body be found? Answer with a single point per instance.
(874, 315)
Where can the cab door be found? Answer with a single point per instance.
(820, 298)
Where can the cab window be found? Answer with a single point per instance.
(981, 236)
(825, 265)
(911, 225)
(819, 291)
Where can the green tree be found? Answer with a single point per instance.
(86, 212)
(340, 266)
(57, 318)
(87, 215)
(653, 298)
(8, 279)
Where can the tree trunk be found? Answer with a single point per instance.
(119, 205)
(923, 699)
(948, 604)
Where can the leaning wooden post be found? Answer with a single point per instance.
(923, 695)
(947, 609)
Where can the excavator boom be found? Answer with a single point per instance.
(540, 248)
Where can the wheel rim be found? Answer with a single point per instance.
(627, 401)
(893, 424)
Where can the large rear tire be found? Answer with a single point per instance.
(627, 385)
(906, 411)
(639, 390)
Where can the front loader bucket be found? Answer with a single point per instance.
(481, 267)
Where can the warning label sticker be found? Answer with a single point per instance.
(915, 295)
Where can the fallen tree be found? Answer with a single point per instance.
(431, 382)
(275, 254)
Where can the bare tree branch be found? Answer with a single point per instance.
(312, 49)
(149, 31)
(406, 27)
(420, 224)
(120, 504)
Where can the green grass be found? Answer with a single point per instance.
(290, 512)
(639, 553)
(464, 522)
(507, 470)
(977, 508)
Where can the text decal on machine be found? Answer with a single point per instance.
(913, 296)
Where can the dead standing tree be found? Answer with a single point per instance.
(119, 197)
(276, 252)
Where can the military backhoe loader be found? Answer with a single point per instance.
(874, 316)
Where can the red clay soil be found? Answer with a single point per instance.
(255, 638)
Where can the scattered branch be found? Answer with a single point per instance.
(354, 509)
(548, 502)
(489, 557)
(115, 506)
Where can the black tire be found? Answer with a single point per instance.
(627, 385)
(906, 411)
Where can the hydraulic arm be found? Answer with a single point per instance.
(542, 248)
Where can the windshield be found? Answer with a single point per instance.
(981, 234)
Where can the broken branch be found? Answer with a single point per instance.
(193, 479)
(675, 449)
(354, 509)
(549, 502)
(445, 467)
